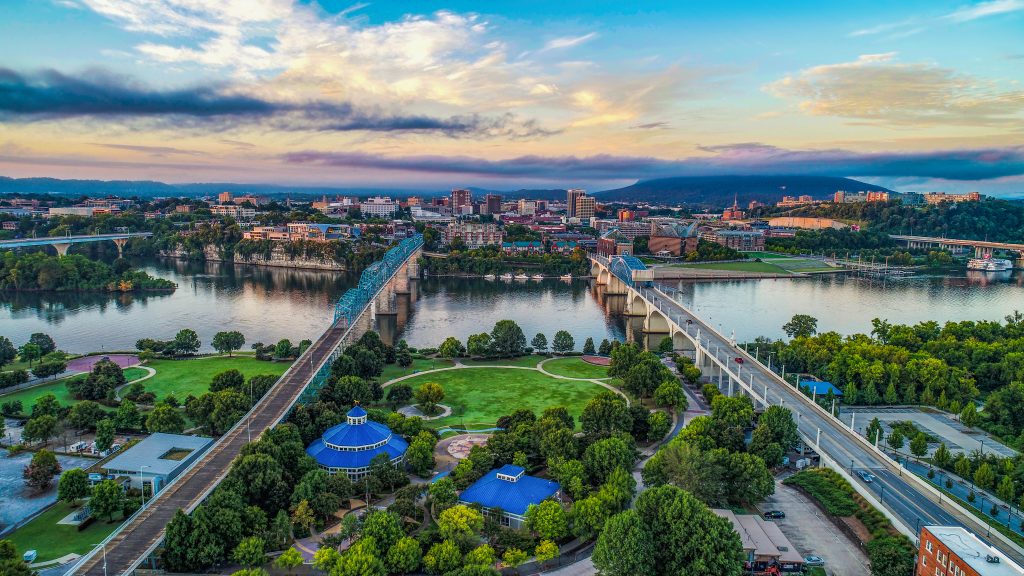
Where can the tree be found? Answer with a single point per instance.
(360, 559)
(482, 555)
(250, 552)
(623, 548)
(326, 558)
(459, 522)
(563, 342)
(890, 556)
(985, 477)
(405, 556)
(1006, 490)
(513, 557)
(507, 338)
(451, 348)
(604, 456)
(659, 424)
(801, 326)
(30, 352)
(780, 425)
(228, 379)
(443, 494)
(606, 414)
(546, 550)
(942, 456)
(104, 434)
(540, 342)
(384, 527)
(895, 440)
(403, 357)
(588, 346)
(166, 419)
(7, 351)
(479, 344)
(101, 382)
(39, 429)
(442, 557)
(127, 416)
(44, 342)
(969, 415)
(669, 394)
(666, 346)
(428, 395)
(106, 499)
(919, 445)
(874, 431)
(186, 342)
(85, 415)
(399, 394)
(48, 368)
(548, 520)
(762, 444)
(289, 560)
(605, 348)
(283, 348)
(227, 342)
(302, 515)
(420, 454)
(73, 486)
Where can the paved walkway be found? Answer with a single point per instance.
(149, 374)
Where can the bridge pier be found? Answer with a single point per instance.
(62, 248)
(120, 242)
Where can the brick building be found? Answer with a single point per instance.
(675, 239)
(612, 243)
(953, 551)
(474, 234)
(744, 240)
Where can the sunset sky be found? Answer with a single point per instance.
(420, 94)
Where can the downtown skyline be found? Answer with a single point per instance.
(917, 96)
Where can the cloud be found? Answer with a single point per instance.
(877, 88)
(157, 151)
(984, 9)
(734, 159)
(51, 95)
(569, 41)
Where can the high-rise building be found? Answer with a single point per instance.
(585, 208)
(224, 197)
(570, 202)
(492, 204)
(461, 197)
(527, 207)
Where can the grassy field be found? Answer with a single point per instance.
(184, 377)
(760, 267)
(58, 388)
(766, 255)
(53, 540)
(524, 361)
(478, 397)
(575, 368)
(392, 371)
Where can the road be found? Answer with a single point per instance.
(913, 507)
(145, 531)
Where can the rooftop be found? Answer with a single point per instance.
(160, 453)
(510, 489)
(974, 552)
(355, 442)
(762, 538)
(821, 387)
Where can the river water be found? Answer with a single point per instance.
(267, 304)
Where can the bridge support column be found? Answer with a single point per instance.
(62, 248)
(400, 282)
(120, 242)
(384, 303)
(414, 264)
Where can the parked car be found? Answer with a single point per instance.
(739, 360)
(866, 476)
(814, 561)
(774, 514)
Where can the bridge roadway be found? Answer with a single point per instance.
(143, 532)
(910, 504)
(52, 240)
(957, 242)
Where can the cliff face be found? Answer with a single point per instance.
(278, 258)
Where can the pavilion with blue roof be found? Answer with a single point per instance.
(350, 446)
(510, 490)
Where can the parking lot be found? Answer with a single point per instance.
(958, 438)
(814, 534)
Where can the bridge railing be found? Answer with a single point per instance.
(354, 300)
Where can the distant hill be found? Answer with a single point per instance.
(717, 191)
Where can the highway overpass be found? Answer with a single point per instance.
(62, 243)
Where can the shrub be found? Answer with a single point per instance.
(828, 488)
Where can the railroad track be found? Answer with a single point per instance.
(144, 532)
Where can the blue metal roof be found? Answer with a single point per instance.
(821, 387)
(356, 412)
(368, 433)
(514, 497)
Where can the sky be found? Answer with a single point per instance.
(912, 95)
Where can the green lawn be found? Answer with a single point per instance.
(392, 371)
(53, 540)
(764, 267)
(58, 388)
(575, 368)
(184, 377)
(524, 361)
(479, 396)
(766, 255)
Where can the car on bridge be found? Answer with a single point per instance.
(739, 360)
(866, 476)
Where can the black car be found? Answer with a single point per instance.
(774, 514)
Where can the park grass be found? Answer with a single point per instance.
(478, 397)
(184, 377)
(767, 255)
(52, 540)
(392, 371)
(58, 388)
(574, 367)
(523, 361)
(758, 267)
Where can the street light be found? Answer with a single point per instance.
(142, 484)
(104, 545)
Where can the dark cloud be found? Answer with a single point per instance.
(736, 159)
(52, 95)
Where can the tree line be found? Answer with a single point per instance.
(36, 271)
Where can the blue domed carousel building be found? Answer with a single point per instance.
(350, 446)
